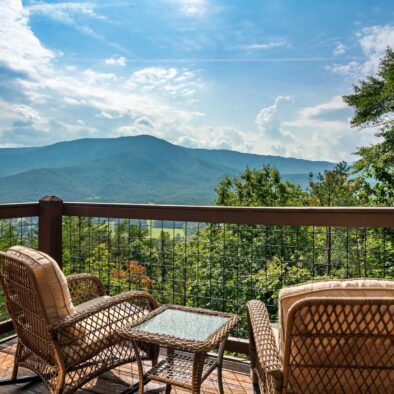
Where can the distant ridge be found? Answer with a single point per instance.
(141, 169)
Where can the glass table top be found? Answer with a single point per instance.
(182, 324)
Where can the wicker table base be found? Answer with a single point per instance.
(188, 334)
(185, 370)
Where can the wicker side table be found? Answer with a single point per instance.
(193, 332)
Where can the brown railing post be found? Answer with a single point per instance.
(50, 227)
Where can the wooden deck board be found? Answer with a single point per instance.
(235, 380)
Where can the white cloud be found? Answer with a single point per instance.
(336, 103)
(92, 77)
(267, 45)
(340, 49)
(352, 69)
(154, 76)
(26, 112)
(109, 115)
(20, 112)
(192, 7)
(319, 132)
(20, 49)
(373, 42)
(269, 118)
(141, 125)
(68, 14)
(113, 61)
(9, 145)
(216, 137)
(167, 81)
(64, 12)
(270, 124)
(73, 101)
(22, 125)
(109, 95)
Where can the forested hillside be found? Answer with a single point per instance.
(140, 169)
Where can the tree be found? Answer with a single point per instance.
(258, 187)
(373, 102)
(333, 188)
(233, 263)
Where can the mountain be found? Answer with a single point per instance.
(140, 169)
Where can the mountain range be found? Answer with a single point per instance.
(139, 169)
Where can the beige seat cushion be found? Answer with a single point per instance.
(275, 330)
(288, 296)
(52, 284)
(91, 303)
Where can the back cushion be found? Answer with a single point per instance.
(288, 296)
(52, 284)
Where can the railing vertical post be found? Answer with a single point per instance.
(50, 227)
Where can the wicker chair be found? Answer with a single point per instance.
(74, 349)
(333, 338)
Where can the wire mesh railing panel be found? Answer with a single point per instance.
(220, 266)
(16, 231)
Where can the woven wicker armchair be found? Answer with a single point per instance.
(70, 351)
(334, 337)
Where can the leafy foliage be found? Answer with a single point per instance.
(258, 187)
(373, 102)
(335, 188)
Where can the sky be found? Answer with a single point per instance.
(257, 76)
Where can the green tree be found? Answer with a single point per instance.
(258, 187)
(333, 188)
(234, 263)
(373, 102)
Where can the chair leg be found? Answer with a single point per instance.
(16, 359)
(255, 382)
(14, 375)
(253, 376)
(14, 371)
(60, 381)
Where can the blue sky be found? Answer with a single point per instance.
(255, 76)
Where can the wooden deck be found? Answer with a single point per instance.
(235, 378)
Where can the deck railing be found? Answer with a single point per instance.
(212, 257)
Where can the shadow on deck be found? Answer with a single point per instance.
(235, 378)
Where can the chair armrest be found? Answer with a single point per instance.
(264, 353)
(105, 314)
(84, 287)
(92, 329)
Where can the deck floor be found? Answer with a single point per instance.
(235, 378)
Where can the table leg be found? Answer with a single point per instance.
(153, 351)
(170, 355)
(198, 365)
(220, 366)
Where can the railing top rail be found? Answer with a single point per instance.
(18, 210)
(292, 216)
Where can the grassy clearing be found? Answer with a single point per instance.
(177, 232)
